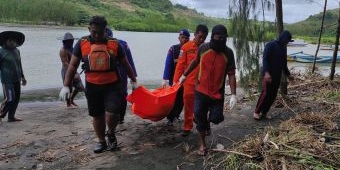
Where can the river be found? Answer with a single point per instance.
(41, 62)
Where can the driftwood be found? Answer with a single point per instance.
(234, 152)
(304, 84)
(223, 136)
(315, 156)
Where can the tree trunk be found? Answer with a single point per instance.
(320, 33)
(335, 53)
(279, 16)
(279, 22)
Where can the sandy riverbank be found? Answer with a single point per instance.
(54, 137)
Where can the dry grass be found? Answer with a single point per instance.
(310, 140)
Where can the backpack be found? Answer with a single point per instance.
(99, 57)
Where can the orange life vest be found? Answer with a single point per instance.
(100, 61)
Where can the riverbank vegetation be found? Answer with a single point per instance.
(143, 15)
(309, 29)
(128, 15)
(310, 139)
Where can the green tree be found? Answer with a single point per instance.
(248, 37)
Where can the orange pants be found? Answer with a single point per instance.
(188, 97)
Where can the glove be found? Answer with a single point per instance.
(182, 79)
(233, 101)
(165, 83)
(64, 93)
(134, 85)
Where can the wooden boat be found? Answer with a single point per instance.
(328, 47)
(297, 44)
(308, 58)
(311, 60)
(294, 56)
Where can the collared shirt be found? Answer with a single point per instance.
(187, 54)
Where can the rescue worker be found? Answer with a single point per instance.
(169, 70)
(213, 58)
(187, 54)
(101, 55)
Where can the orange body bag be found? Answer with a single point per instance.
(153, 105)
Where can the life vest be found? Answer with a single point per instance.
(100, 60)
(175, 52)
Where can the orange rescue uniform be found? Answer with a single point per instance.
(187, 54)
(101, 77)
(218, 64)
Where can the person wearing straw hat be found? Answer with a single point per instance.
(65, 54)
(11, 73)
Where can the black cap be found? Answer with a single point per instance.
(219, 30)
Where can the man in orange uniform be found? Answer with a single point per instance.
(101, 55)
(213, 58)
(187, 54)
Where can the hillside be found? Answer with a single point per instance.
(130, 15)
(311, 26)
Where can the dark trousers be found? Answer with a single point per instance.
(178, 106)
(123, 106)
(124, 82)
(11, 99)
(268, 96)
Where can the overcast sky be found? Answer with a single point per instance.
(293, 10)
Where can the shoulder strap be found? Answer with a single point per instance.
(89, 38)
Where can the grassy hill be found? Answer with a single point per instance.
(131, 15)
(311, 26)
(139, 15)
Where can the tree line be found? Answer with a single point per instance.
(145, 15)
(39, 12)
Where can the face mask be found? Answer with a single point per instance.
(218, 45)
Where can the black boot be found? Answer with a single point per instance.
(100, 147)
(112, 141)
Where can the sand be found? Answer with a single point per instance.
(54, 137)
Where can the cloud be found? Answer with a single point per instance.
(293, 10)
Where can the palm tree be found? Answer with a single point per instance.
(248, 38)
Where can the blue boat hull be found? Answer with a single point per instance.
(308, 58)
